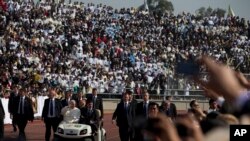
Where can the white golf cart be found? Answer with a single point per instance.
(76, 131)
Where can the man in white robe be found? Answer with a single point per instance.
(71, 114)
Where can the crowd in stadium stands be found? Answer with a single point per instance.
(84, 46)
(78, 47)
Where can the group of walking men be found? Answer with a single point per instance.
(130, 116)
(70, 110)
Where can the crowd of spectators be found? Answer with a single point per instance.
(228, 107)
(82, 46)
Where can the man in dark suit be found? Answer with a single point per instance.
(142, 107)
(141, 114)
(51, 113)
(132, 100)
(2, 116)
(13, 96)
(123, 115)
(23, 112)
(67, 98)
(133, 106)
(97, 101)
(170, 110)
(90, 116)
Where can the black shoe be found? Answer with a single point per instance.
(22, 137)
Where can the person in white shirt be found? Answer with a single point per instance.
(213, 106)
(71, 114)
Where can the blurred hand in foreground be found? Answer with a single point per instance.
(223, 81)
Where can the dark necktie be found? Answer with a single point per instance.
(89, 112)
(94, 101)
(21, 105)
(51, 107)
(168, 112)
(145, 109)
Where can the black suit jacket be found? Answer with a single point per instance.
(2, 113)
(28, 109)
(172, 111)
(86, 117)
(134, 104)
(12, 98)
(123, 119)
(140, 110)
(58, 108)
(98, 104)
(64, 102)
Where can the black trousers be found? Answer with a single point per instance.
(50, 122)
(1, 128)
(21, 122)
(125, 134)
(14, 122)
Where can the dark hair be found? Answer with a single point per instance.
(69, 90)
(129, 92)
(21, 88)
(24, 88)
(89, 101)
(168, 97)
(154, 104)
(211, 101)
(213, 115)
(192, 103)
(94, 89)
